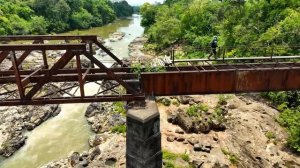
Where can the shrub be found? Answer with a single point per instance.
(119, 107)
(170, 157)
(270, 135)
(232, 157)
(165, 101)
(120, 129)
(196, 109)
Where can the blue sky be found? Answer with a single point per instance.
(140, 2)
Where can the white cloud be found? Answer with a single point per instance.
(140, 2)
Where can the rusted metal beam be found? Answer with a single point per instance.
(3, 55)
(47, 37)
(214, 82)
(70, 78)
(31, 47)
(183, 68)
(59, 64)
(65, 100)
(80, 80)
(17, 75)
(239, 59)
(110, 53)
(110, 73)
(26, 80)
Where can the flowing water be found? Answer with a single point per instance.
(69, 131)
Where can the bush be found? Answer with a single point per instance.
(119, 107)
(290, 118)
(232, 157)
(197, 109)
(270, 135)
(120, 129)
(289, 106)
(170, 157)
(165, 101)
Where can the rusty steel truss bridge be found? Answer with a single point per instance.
(26, 81)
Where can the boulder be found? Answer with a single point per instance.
(74, 159)
(170, 139)
(185, 122)
(197, 147)
(94, 152)
(179, 131)
(96, 140)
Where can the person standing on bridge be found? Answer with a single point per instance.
(214, 45)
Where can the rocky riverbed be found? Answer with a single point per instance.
(252, 137)
(107, 120)
(15, 121)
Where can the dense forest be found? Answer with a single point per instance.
(244, 28)
(19, 17)
(236, 23)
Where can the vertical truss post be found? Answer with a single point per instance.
(81, 83)
(91, 51)
(17, 75)
(44, 57)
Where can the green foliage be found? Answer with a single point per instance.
(196, 109)
(165, 101)
(43, 16)
(223, 99)
(170, 157)
(139, 68)
(120, 129)
(289, 106)
(119, 107)
(123, 9)
(176, 103)
(231, 156)
(290, 118)
(148, 11)
(270, 135)
(194, 23)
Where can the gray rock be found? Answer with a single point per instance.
(172, 119)
(192, 141)
(95, 152)
(180, 139)
(197, 147)
(170, 139)
(179, 131)
(74, 159)
(96, 140)
(232, 106)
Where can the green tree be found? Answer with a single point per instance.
(38, 25)
(81, 19)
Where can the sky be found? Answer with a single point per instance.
(140, 2)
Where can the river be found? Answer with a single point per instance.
(69, 131)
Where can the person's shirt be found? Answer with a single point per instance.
(214, 44)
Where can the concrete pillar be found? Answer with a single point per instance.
(143, 138)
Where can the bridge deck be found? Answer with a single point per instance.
(29, 86)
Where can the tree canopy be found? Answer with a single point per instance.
(18, 17)
(236, 23)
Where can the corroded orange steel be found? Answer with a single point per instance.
(177, 80)
(238, 80)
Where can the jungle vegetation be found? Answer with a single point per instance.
(240, 24)
(20, 17)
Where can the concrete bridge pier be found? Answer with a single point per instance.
(143, 138)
